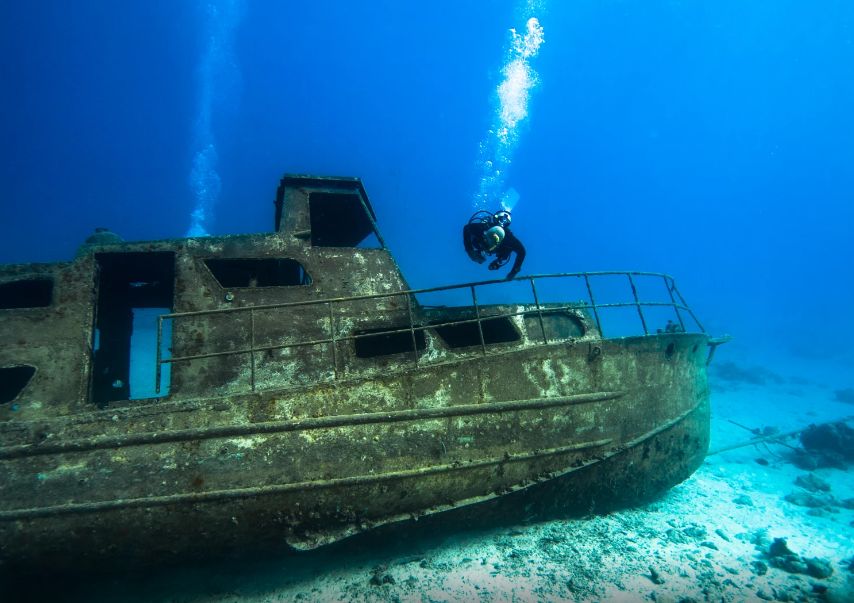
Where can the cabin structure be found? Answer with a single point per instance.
(67, 327)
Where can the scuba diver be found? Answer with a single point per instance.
(489, 234)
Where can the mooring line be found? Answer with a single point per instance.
(776, 436)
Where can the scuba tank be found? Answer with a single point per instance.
(481, 217)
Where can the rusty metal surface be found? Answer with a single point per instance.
(306, 443)
(334, 469)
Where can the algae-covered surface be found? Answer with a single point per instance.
(753, 523)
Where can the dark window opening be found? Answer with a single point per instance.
(13, 380)
(233, 273)
(341, 220)
(383, 343)
(495, 330)
(556, 324)
(31, 293)
(127, 283)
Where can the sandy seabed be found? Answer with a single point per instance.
(708, 539)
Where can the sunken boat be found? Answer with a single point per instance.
(174, 399)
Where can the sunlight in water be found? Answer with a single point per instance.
(513, 93)
(219, 83)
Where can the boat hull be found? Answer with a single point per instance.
(558, 430)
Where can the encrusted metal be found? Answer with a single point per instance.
(311, 394)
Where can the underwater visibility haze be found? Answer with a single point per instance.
(711, 142)
(708, 141)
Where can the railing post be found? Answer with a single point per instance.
(334, 340)
(670, 286)
(593, 304)
(373, 222)
(682, 299)
(539, 310)
(477, 315)
(252, 347)
(412, 328)
(637, 303)
(158, 367)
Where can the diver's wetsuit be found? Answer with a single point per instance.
(473, 242)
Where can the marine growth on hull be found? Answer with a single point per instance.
(290, 387)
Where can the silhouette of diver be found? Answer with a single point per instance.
(489, 234)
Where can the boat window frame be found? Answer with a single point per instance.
(518, 340)
(21, 281)
(26, 384)
(204, 262)
(361, 211)
(531, 320)
(402, 331)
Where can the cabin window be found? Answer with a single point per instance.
(495, 330)
(13, 380)
(235, 273)
(30, 293)
(341, 220)
(379, 342)
(556, 323)
(133, 288)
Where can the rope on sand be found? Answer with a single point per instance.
(775, 437)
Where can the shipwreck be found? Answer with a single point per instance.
(180, 398)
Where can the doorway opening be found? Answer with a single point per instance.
(133, 289)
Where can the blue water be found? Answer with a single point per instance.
(708, 140)
(711, 141)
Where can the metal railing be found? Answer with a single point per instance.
(677, 303)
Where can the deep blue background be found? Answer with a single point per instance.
(712, 141)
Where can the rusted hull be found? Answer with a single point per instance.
(557, 430)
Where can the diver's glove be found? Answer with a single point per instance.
(494, 265)
(510, 276)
